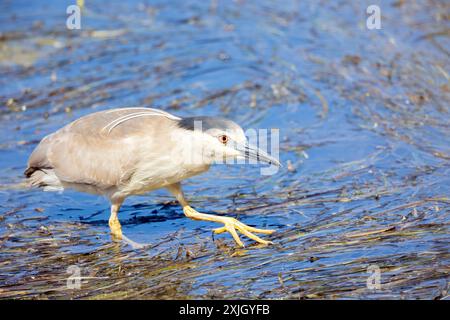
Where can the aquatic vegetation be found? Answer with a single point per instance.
(364, 136)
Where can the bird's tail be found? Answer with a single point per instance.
(43, 178)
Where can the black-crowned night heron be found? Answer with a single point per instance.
(122, 152)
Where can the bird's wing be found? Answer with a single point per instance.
(101, 149)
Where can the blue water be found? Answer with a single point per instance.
(363, 118)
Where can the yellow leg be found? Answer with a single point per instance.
(114, 224)
(230, 225)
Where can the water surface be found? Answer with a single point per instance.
(364, 139)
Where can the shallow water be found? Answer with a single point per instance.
(364, 139)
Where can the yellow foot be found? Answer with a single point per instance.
(232, 224)
(116, 229)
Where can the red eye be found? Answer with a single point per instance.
(223, 139)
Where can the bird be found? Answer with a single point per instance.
(122, 152)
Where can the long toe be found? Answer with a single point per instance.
(252, 229)
(253, 236)
(231, 229)
(232, 225)
(220, 230)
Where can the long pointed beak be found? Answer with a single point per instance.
(250, 152)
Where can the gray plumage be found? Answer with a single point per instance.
(121, 152)
(207, 123)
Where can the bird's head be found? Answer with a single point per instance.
(222, 140)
